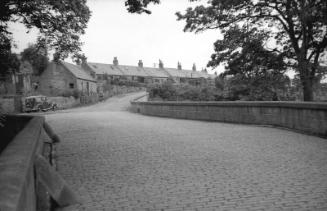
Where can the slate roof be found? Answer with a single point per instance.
(201, 74)
(190, 74)
(132, 70)
(187, 73)
(173, 72)
(156, 72)
(109, 69)
(77, 71)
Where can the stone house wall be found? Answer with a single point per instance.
(56, 80)
(151, 80)
(88, 87)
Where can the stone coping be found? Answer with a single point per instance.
(304, 117)
(284, 104)
(16, 167)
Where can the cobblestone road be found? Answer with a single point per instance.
(117, 160)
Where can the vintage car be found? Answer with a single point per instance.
(38, 103)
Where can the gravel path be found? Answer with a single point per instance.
(117, 160)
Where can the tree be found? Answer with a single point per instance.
(8, 61)
(299, 28)
(254, 73)
(139, 6)
(243, 51)
(60, 22)
(37, 57)
(267, 87)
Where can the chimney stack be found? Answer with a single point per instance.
(84, 59)
(179, 66)
(115, 62)
(161, 65)
(194, 67)
(140, 63)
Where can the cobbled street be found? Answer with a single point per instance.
(117, 160)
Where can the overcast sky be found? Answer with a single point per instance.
(112, 31)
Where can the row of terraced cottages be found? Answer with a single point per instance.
(62, 77)
(146, 75)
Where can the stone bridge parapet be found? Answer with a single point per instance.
(27, 175)
(307, 117)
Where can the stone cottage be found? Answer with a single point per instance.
(64, 79)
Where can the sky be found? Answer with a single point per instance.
(113, 32)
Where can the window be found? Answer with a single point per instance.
(141, 79)
(71, 85)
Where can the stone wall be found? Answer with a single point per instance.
(28, 177)
(69, 102)
(7, 105)
(17, 186)
(300, 116)
(7, 85)
(89, 99)
(10, 104)
(64, 102)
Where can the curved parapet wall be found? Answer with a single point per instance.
(17, 186)
(300, 116)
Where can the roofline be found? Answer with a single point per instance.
(209, 76)
(61, 62)
(149, 67)
(85, 79)
(122, 74)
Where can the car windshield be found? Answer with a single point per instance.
(30, 102)
(35, 99)
(38, 99)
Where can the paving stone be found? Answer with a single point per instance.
(116, 160)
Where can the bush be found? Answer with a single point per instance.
(125, 82)
(165, 91)
(183, 92)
